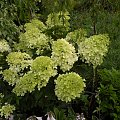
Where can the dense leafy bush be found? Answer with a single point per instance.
(28, 70)
(8, 29)
(109, 95)
(44, 58)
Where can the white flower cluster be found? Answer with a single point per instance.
(93, 49)
(18, 60)
(35, 23)
(11, 76)
(34, 39)
(69, 86)
(63, 54)
(25, 84)
(42, 68)
(4, 47)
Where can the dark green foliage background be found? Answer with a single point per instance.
(96, 17)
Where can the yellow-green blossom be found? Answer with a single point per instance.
(69, 86)
(63, 54)
(93, 49)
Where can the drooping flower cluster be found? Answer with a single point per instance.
(69, 86)
(93, 49)
(63, 54)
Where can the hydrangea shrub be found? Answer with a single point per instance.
(29, 68)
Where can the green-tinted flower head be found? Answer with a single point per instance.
(6, 110)
(25, 84)
(93, 49)
(11, 76)
(35, 23)
(43, 67)
(63, 54)
(34, 39)
(69, 86)
(4, 47)
(18, 61)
